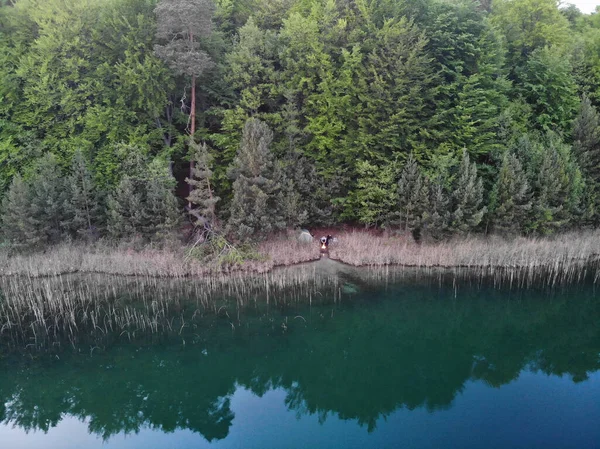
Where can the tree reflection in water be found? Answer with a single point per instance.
(387, 346)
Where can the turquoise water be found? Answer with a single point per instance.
(390, 363)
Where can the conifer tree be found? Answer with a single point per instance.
(82, 206)
(548, 208)
(556, 181)
(126, 214)
(300, 202)
(202, 195)
(467, 196)
(511, 196)
(18, 222)
(557, 189)
(143, 204)
(307, 194)
(375, 193)
(180, 24)
(394, 68)
(254, 208)
(291, 204)
(438, 215)
(160, 203)
(586, 148)
(413, 197)
(586, 139)
(48, 199)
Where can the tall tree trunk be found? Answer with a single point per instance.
(192, 130)
(193, 120)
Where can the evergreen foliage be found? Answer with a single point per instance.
(376, 194)
(547, 84)
(557, 186)
(126, 216)
(255, 211)
(83, 207)
(18, 223)
(48, 195)
(586, 149)
(413, 197)
(467, 197)
(438, 215)
(307, 195)
(586, 140)
(143, 205)
(162, 208)
(346, 90)
(202, 196)
(180, 24)
(511, 197)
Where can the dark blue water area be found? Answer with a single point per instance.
(534, 411)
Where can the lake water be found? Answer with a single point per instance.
(387, 362)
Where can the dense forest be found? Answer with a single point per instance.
(120, 118)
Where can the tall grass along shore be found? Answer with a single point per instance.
(92, 310)
(558, 259)
(48, 301)
(174, 261)
(565, 253)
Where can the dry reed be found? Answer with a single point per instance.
(41, 308)
(170, 262)
(562, 258)
(564, 253)
(45, 313)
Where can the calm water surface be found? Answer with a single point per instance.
(393, 363)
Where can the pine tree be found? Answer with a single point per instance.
(413, 197)
(254, 208)
(438, 215)
(18, 222)
(375, 195)
(83, 207)
(202, 195)
(557, 190)
(180, 24)
(161, 208)
(48, 199)
(467, 196)
(396, 85)
(304, 199)
(511, 196)
(586, 139)
(143, 204)
(126, 214)
(586, 148)
(291, 204)
(308, 194)
(548, 209)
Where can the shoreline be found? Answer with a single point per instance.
(565, 253)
